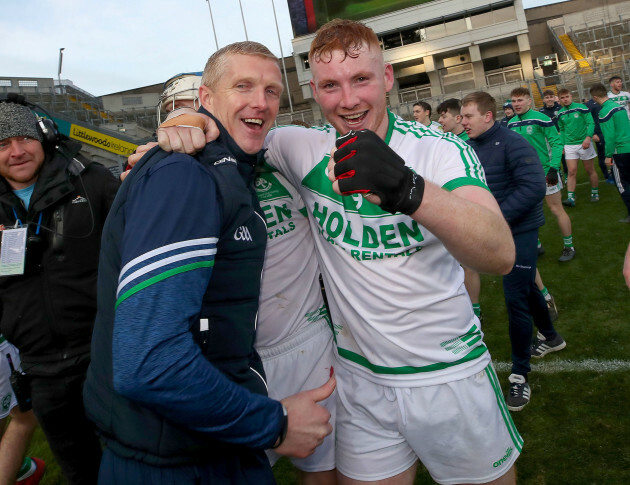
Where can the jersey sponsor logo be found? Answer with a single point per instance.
(242, 234)
(225, 160)
(79, 200)
(371, 239)
(280, 216)
(502, 460)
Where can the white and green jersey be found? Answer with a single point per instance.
(397, 298)
(290, 295)
(622, 99)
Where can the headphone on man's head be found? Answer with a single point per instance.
(46, 127)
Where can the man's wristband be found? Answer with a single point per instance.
(283, 431)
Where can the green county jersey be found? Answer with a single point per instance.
(622, 99)
(615, 128)
(397, 298)
(575, 123)
(290, 295)
(541, 133)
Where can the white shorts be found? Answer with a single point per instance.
(576, 152)
(552, 189)
(7, 398)
(461, 431)
(300, 364)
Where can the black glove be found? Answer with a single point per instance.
(552, 177)
(365, 164)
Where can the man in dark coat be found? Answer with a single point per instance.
(516, 179)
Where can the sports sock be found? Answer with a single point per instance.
(594, 190)
(27, 468)
(477, 309)
(571, 195)
(545, 293)
(568, 241)
(539, 243)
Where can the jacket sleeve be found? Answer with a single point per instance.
(173, 220)
(554, 141)
(527, 180)
(590, 124)
(608, 130)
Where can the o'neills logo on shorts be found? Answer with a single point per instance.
(508, 453)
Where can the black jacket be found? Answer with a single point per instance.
(514, 175)
(552, 112)
(48, 312)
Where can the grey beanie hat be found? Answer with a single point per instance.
(18, 120)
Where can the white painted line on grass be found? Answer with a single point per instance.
(554, 366)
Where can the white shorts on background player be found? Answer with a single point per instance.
(7, 398)
(301, 363)
(576, 152)
(466, 438)
(553, 189)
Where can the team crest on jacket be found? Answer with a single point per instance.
(530, 130)
(79, 199)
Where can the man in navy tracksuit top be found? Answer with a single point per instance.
(517, 180)
(175, 387)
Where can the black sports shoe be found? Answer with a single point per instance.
(553, 309)
(567, 254)
(519, 393)
(542, 347)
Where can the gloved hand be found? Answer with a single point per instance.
(552, 177)
(366, 165)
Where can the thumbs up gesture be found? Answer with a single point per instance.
(308, 421)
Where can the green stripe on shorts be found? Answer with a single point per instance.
(507, 417)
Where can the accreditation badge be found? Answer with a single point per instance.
(13, 252)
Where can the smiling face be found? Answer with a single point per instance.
(521, 104)
(245, 99)
(21, 159)
(549, 100)
(351, 90)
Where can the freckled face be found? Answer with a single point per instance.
(351, 91)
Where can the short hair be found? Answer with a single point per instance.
(216, 65)
(563, 91)
(548, 92)
(484, 102)
(452, 105)
(345, 35)
(598, 90)
(424, 105)
(614, 78)
(520, 91)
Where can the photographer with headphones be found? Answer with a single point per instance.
(53, 204)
